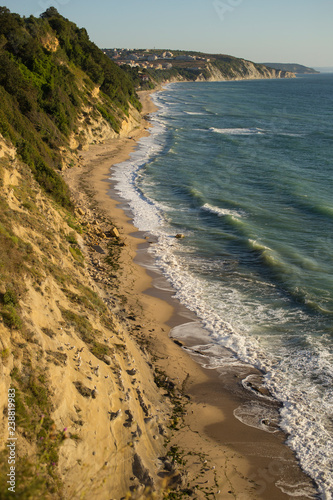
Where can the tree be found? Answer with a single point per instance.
(4, 10)
(50, 12)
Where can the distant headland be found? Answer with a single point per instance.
(294, 68)
(161, 65)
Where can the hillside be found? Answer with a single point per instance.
(294, 68)
(159, 66)
(56, 87)
(69, 349)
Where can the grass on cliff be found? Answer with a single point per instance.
(37, 477)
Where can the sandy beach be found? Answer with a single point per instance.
(220, 454)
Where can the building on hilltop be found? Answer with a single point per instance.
(167, 55)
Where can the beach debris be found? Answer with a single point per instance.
(94, 392)
(179, 236)
(131, 372)
(114, 232)
(98, 248)
(178, 342)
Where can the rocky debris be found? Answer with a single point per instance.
(129, 419)
(98, 249)
(80, 211)
(162, 430)
(179, 236)
(107, 360)
(178, 342)
(114, 232)
(142, 403)
(168, 466)
(131, 372)
(114, 415)
(82, 389)
(141, 472)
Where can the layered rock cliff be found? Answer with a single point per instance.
(245, 70)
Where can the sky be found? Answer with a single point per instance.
(288, 31)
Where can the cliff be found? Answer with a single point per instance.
(245, 70)
(89, 414)
(148, 67)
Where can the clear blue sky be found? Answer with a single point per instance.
(259, 30)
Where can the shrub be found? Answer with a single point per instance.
(10, 317)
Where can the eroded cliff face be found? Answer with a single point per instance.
(248, 71)
(90, 420)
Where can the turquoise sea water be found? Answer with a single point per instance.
(245, 171)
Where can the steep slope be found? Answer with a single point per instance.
(81, 415)
(243, 70)
(72, 396)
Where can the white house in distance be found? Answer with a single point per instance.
(167, 55)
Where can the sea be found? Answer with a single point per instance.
(244, 171)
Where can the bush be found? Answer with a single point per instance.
(10, 298)
(10, 317)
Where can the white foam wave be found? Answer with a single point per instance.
(303, 490)
(250, 383)
(194, 113)
(238, 131)
(126, 173)
(258, 415)
(215, 357)
(288, 376)
(222, 212)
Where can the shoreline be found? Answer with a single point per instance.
(242, 462)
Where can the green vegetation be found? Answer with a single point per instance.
(37, 479)
(87, 333)
(48, 69)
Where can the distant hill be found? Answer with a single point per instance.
(294, 68)
(161, 65)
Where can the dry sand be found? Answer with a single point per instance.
(243, 462)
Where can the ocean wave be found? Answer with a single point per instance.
(222, 212)
(194, 113)
(238, 131)
(258, 415)
(288, 376)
